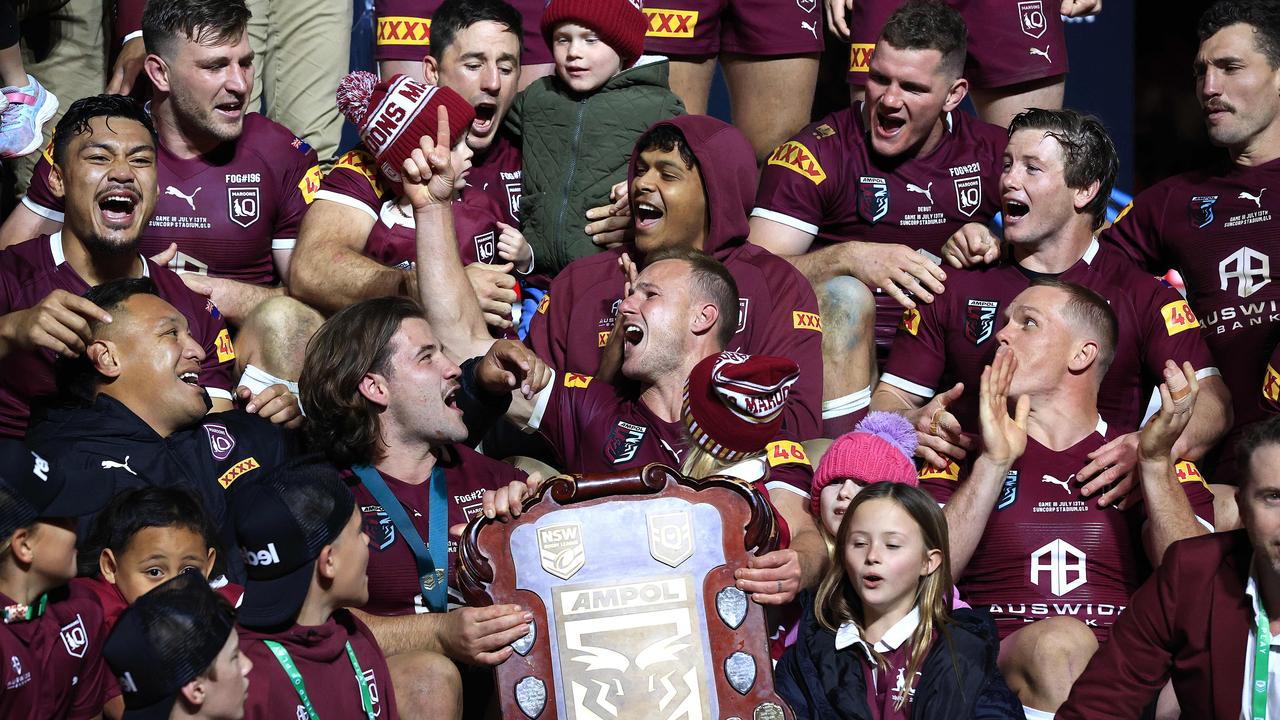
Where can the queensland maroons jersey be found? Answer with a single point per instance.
(29, 271)
(951, 339)
(827, 181)
(1219, 228)
(1048, 551)
(393, 575)
(226, 210)
(596, 427)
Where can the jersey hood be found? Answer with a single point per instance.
(728, 166)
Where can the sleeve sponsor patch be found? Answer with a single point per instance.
(577, 380)
(950, 472)
(797, 158)
(801, 320)
(226, 351)
(664, 22)
(310, 183)
(48, 150)
(361, 162)
(911, 320)
(602, 338)
(404, 30)
(1186, 471)
(1271, 385)
(1178, 317)
(860, 57)
(236, 471)
(783, 452)
(544, 303)
(823, 131)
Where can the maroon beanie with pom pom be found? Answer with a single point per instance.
(392, 116)
(879, 449)
(621, 24)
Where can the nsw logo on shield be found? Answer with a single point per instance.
(1200, 210)
(980, 320)
(560, 549)
(670, 537)
(873, 198)
(243, 205)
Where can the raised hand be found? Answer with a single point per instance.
(429, 176)
(940, 437)
(1004, 437)
(1177, 399)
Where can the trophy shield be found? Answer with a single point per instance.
(630, 581)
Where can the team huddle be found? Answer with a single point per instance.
(253, 386)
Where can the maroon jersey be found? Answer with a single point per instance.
(320, 655)
(1048, 551)
(596, 427)
(29, 271)
(827, 182)
(393, 586)
(226, 210)
(777, 315)
(953, 338)
(404, 30)
(1214, 227)
(53, 666)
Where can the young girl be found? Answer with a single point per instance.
(144, 537)
(878, 450)
(878, 642)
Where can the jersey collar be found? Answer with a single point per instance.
(60, 258)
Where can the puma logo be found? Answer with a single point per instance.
(925, 191)
(1257, 199)
(1042, 53)
(112, 464)
(1055, 481)
(191, 199)
(811, 27)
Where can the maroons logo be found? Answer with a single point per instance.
(980, 320)
(623, 442)
(873, 198)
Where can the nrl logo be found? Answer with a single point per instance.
(670, 537)
(560, 549)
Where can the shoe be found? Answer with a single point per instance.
(28, 109)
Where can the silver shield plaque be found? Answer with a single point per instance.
(740, 669)
(525, 644)
(731, 606)
(531, 696)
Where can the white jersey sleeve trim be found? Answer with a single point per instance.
(540, 404)
(283, 243)
(347, 200)
(787, 220)
(904, 384)
(779, 485)
(42, 211)
(218, 393)
(1207, 525)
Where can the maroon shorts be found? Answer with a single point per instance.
(1010, 41)
(704, 28)
(401, 29)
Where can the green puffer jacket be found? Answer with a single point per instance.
(576, 148)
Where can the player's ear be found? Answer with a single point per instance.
(56, 184)
(105, 357)
(430, 70)
(157, 70)
(1085, 195)
(373, 386)
(326, 568)
(956, 95)
(107, 565)
(1086, 355)
(704, 318)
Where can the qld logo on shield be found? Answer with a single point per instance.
(670, 537)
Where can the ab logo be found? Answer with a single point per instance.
(1064, 563)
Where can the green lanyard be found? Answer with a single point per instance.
(1261, 656)
(282, 655)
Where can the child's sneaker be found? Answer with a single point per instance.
(28, 109)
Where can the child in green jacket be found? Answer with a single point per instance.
(579, 125)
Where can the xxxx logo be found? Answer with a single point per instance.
(797, 158)
(236, 471)
(401, 30)
(671, 23)
(801, 320)
(860, 56)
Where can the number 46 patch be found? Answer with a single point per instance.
(785, 451)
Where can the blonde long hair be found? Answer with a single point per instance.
(837, 603)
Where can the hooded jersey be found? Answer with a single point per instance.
(320, 655)
(777, 308)
(226, 210)
(31, 270)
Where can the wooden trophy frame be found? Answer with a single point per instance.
(630, 579)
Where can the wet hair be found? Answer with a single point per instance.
(207, 22)
(929, 25)
(454, 16)
(356, 340)
(137, 509)
(837, 601)
(1255, 436)
(75, 121)
(1088, 155)
(1262, 15)
(1089, 310)
(711, 281)
(666, 137)
(76, 377)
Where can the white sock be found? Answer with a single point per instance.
(1034, 714)
(850, 403)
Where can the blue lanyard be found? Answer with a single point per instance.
(431, 560)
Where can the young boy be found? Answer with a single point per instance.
(51, 637)
(580, 123)
(176, 654)
(305, 554)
